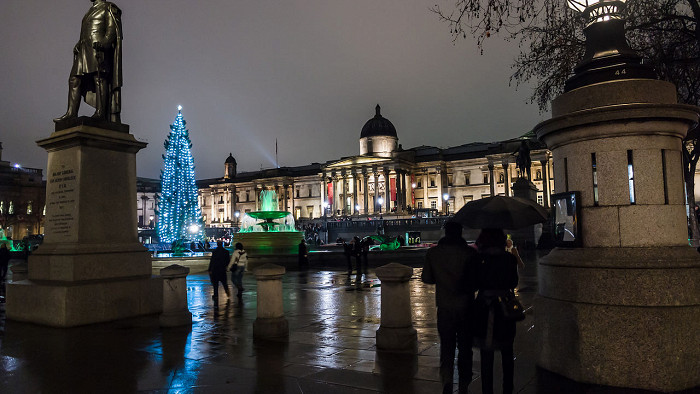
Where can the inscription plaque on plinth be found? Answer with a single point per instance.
(91, 267)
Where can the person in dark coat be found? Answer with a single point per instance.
(498, 275)
(303, 256)
(4, 260)
(347, 251)
(451, 266)
(217, 270)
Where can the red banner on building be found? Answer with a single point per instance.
(392, 182)
(330, 193)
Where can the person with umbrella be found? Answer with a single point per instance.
(498, 276)
(451, 266)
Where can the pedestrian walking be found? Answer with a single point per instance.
(239, 261)
(497, 277)
(452, 267)
(4, 260)
(217, 270)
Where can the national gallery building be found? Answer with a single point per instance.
(383, 179)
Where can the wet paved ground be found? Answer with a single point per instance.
(331, 347)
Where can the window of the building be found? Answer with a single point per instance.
(2, 207)
(433, 204)
(467, 175)
(420, 204)
(310, 210)
(486, 177)
(595, 179)
(297, 192)
(11, 208)
(630, 176)
(501, 178)
(449, 179)
(451, 205)
(468, 198)
(538, 175)
(432, 181)
(419, 183)
(540, 199)
(310, 190)
(29, 207)
(297, 210)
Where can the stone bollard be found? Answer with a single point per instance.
(19, 271)
(175, 312)
(396, 332)
(270, 322)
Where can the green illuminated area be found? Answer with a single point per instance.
(269, 218)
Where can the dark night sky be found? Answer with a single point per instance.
(308, 73)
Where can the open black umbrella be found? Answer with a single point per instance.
(501, 212)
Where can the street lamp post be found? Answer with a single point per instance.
(446, 197)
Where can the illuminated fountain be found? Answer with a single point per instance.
(4, 240)
(269, 233)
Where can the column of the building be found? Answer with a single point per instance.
(506, 177)
(365, 185)
(355, 200)
(438, 179)
(233, 203)
(492, 181)
(426, 184)
(387, 191)
(399, 201)
(335, 194)
(257, 198)
(377, 207)
(212, 214)
(324, 192)
(344, 197)
(545, 182)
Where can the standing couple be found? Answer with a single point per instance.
(221, 262)
(459, 271)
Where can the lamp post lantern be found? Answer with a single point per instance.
(608, 56)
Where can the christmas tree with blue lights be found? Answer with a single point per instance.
(180, 218)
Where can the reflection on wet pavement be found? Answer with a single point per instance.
(331, 347)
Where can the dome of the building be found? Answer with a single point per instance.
(230, 159)
(378, 126)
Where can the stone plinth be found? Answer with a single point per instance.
(19, 271)
(175, 311)
(270, 322)
(624, 310)
(91, 267)
(528, 237)
(396, 332)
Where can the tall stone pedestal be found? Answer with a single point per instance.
(527, 237)
(624, 310)
(396, 332)
(270, 322)
(91, 267)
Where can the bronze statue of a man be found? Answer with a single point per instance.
(523, 161)
(97, 64)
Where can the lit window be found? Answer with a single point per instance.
(630, 176)
(433, 204)
(11, 209)
(29, 208)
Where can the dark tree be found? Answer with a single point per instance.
(551, 42)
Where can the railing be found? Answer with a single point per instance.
(387, 223)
